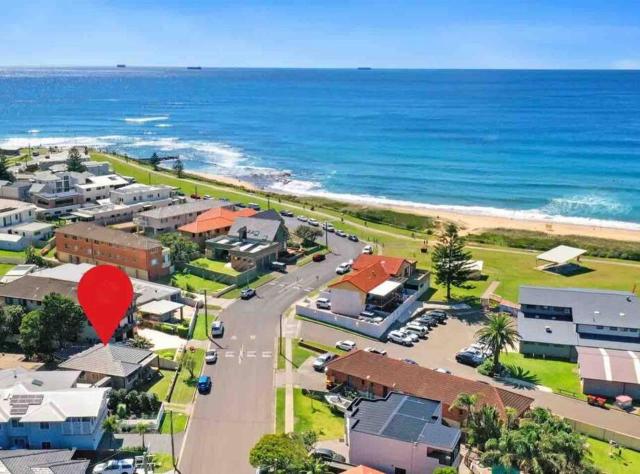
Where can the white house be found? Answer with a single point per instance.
(138, 192)
(99, 187)
(14, 213)
(63, 418)
(554, 321)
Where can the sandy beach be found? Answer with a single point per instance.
(475, 223)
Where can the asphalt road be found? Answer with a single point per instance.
(226, 423)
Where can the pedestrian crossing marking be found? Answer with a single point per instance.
(251, 353)
(267, 354)
(230, 354)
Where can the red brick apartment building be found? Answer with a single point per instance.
(139, 256)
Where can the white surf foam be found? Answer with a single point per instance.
(13, 143)
(33, 131)
(164, 125)
(158, 118)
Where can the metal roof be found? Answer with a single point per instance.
(561, 254)
(32, 461)
(160, 307)
(386, 287)
(609, 364)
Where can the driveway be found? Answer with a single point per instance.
(226, 423)
(161, 340)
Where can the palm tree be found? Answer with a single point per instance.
(141, 429)
(484, 425)
(110, 426)
(498, 334)
(466, 401)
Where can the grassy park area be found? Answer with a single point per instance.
(625, 463)
(315, 415)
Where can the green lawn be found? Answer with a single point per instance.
(216, 266)
(185, 385)
(196, 283)
(627, 463)
(262, 280)
(555, 374)
(162, 462)
(161, 386)
(166, 353)
(179, 423)
(300, 354)
(5, 267)
(280, 410)
(20, 254)
(311, 414)
(201, 330)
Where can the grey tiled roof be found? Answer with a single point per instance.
(405, 418)
(33, 288)
(113, 359)
(270, 214)
(257, 229)
(26, 461)
(589, 306)
(180, 209)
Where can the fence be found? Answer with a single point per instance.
(244, 277)
(604, 434)
(152, 423)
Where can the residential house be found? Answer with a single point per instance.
(137, 192)
(29, 291)
(64, 418)
(213, 223)
(14, 213)
(33, 232)
(95, 188)
(42, 461)
(18, 190)
(554, 321)
(375, 376)
(125, 366)
(139, 256)
(38, 380)
(609, 372)
(171, 218)
(401, 434)
(261, 228)
(17, 226)
(18, 272)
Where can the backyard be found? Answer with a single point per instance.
(5, 267)
(560, 376)
(315, 415)
(160, 386)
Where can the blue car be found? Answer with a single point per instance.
(204, 384)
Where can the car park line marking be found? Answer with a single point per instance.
(252, 337)
(251, 353)
(233, 338)
(267, 354)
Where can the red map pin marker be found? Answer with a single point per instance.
(105, 294)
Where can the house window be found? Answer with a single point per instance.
(46, 445)
(44, 425)
(15, 423)
(613, 328)
(599, 327)
(399, 470)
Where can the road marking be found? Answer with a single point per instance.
(252, 337)
(240, 355)
(251, 353)
(309, 289)
(233, 338)
(267, 354)
(230, 354)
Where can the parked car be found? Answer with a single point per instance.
(353, 238)
(341, 233)
(411, 335)
(323, 303)
(328, 227)
(427, 320)
(240, 205)
(472, 359)
(327, 454)
(217, 329)
(418, 329)
(279, 266)
(399, 338)
(247, 293)
(346, 345)
(320, 363)
(343, 268)
(206, 196)
(443, 370)
(368, 314)
(303, 218)
(439, 315)
(254, 206)
(286, 213)
(483, 349)
(313, 222)
(204, 384)
(410, 361)
(115, 466)
(374, 350)
(319, 257)
(211, 357)
(368, 249)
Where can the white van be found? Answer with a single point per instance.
(418, 329)
(323, 303)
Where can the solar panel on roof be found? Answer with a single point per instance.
(19, 409)
(416, 409)
(403, 427)
(26, 399)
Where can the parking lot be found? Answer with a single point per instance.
(438, 350)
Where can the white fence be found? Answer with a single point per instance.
(153, 424)
(400, 315)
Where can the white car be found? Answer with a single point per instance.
(211, 356)
(443, 370)
(346, 345)
(302, 218)
(323, 303)
(217, 329)
(368, 249)
(313, 223)
(328, 227)
(411, 335)
(122, 466)
(343, 268)
(399, 338)
(341, 233)
(375, 350)
(418, 329)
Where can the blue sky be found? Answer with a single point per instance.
(344, 33)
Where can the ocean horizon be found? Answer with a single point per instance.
(562, 146)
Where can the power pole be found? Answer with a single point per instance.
(206, 316)
(173, 453)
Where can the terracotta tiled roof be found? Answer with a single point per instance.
(422, 382)
(362, 470)
(365, 279)
(217, 218)
(392, 265)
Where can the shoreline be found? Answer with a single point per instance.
(469, 222)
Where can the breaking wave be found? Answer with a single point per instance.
(158, 118)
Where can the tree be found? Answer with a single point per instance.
(450, 260)
(141, 342)
(189, 363)
(35, 336)
(445, 470)
(155, 161)
(133, 402)
(308, 234)
(178, 167)
(466, 402)
(279, 452)
(141, 429)
(110, 426)
(63, 317)
(5, 174)
(181, 249)
(74, 161)
(32, 257)
(13, 317)
(483, 425)
(5, 328)
(498, 334)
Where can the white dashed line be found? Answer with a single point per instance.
(267, 354)
(230, 354)
(233, 338)
(252, 337)
(251, 353)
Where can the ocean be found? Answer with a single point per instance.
(557, 145)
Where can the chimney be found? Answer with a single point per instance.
(242, 233)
